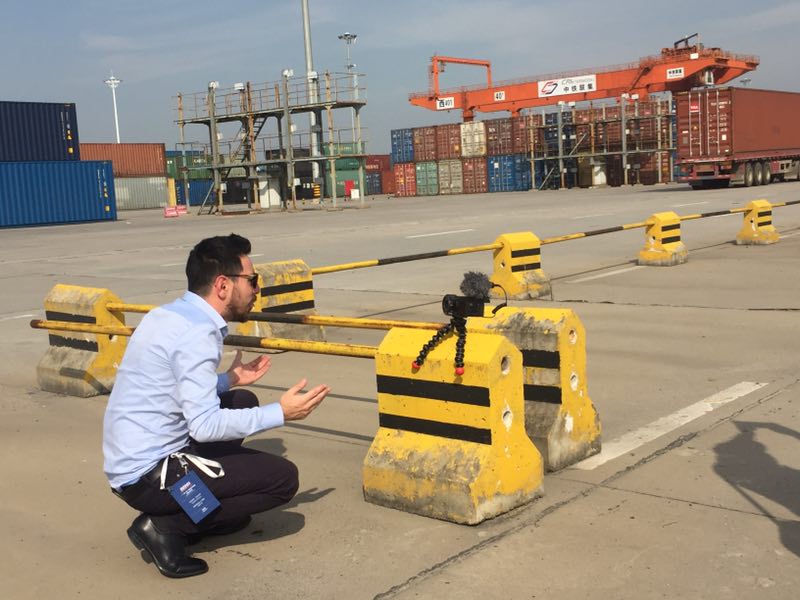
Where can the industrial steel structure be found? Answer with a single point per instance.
(687, 64)
(252, 153)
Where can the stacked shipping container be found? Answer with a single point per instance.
(140, 173)
(42, 180)
(550, 150)
(447, 157)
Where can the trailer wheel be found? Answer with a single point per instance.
(765, 174)
(758, 174)
(748, 174)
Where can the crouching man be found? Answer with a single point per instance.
(173, 428)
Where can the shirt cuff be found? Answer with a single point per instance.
(223, 383)
(271, 415)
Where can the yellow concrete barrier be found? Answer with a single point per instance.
(284, 287)
(518, 267)
(449, 446)
(559, 415)
(757, 228)
(81, 364)
(663, 246)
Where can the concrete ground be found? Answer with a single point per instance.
(702, 507)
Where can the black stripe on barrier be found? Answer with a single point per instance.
(541, 393)
(526, 267)
(288, 287)
(766, 213)
(543, 359)
(672, 227)
(671, 240)
(765, 223)
(605, 230)
(433, 390)
(52, 315)
(282, 308)
(399, 259)
(716, 213)
(65, 342)
(527, 252)
(446, 430)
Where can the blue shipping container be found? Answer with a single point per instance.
(508, 173)
(198, 190)
(373, 183)
(402, 146)
(48, 193)
(38, 131)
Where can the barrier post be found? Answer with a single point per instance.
(663, 246)
(450, 446)
(518, 267)
(284, 287)
(757, 228)
(81, 364)
(559, 415)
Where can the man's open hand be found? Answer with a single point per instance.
(246, 373)
(297, 404)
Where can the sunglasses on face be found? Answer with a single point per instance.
(251, 279)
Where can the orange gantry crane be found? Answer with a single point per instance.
(684, 66)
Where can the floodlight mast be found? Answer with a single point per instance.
(113, 83)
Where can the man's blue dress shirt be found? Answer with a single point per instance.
(167, 389)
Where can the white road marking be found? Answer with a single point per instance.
(786, 235)
(173, 264)
(689, 204)
(601, 275)
(411, 237)
(16, 317)
(255, 255)
(592, 216)
(634, 439)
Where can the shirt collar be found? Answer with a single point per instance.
(204, 306)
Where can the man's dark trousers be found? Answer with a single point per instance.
(253, 482)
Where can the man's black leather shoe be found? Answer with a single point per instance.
(224, 528)
(166, 550)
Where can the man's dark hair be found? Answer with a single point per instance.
(219, 255)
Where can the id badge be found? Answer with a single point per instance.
(194, 497)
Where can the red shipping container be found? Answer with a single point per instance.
(727, 122)
(405, 178)
(378, 162)
(129, 160)
(474, 175)
(506, 136)
(424, 144)
(387, 182)
(448, 141)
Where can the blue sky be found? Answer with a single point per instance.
(62, 51)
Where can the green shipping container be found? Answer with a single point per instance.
(344, 148)
(174, 164)
(347, 164)
(341, 177)
(427, 179)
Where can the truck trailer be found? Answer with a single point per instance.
(737, 136)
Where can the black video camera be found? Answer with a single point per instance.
(462, 306)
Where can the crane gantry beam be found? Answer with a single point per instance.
(675, 69)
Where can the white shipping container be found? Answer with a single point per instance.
(473, 139)
(134, 193)
(450, 177)
(269, 192)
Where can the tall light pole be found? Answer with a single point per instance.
(349, 39)
(113, 82)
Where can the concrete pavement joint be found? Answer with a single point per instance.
(703, 504)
